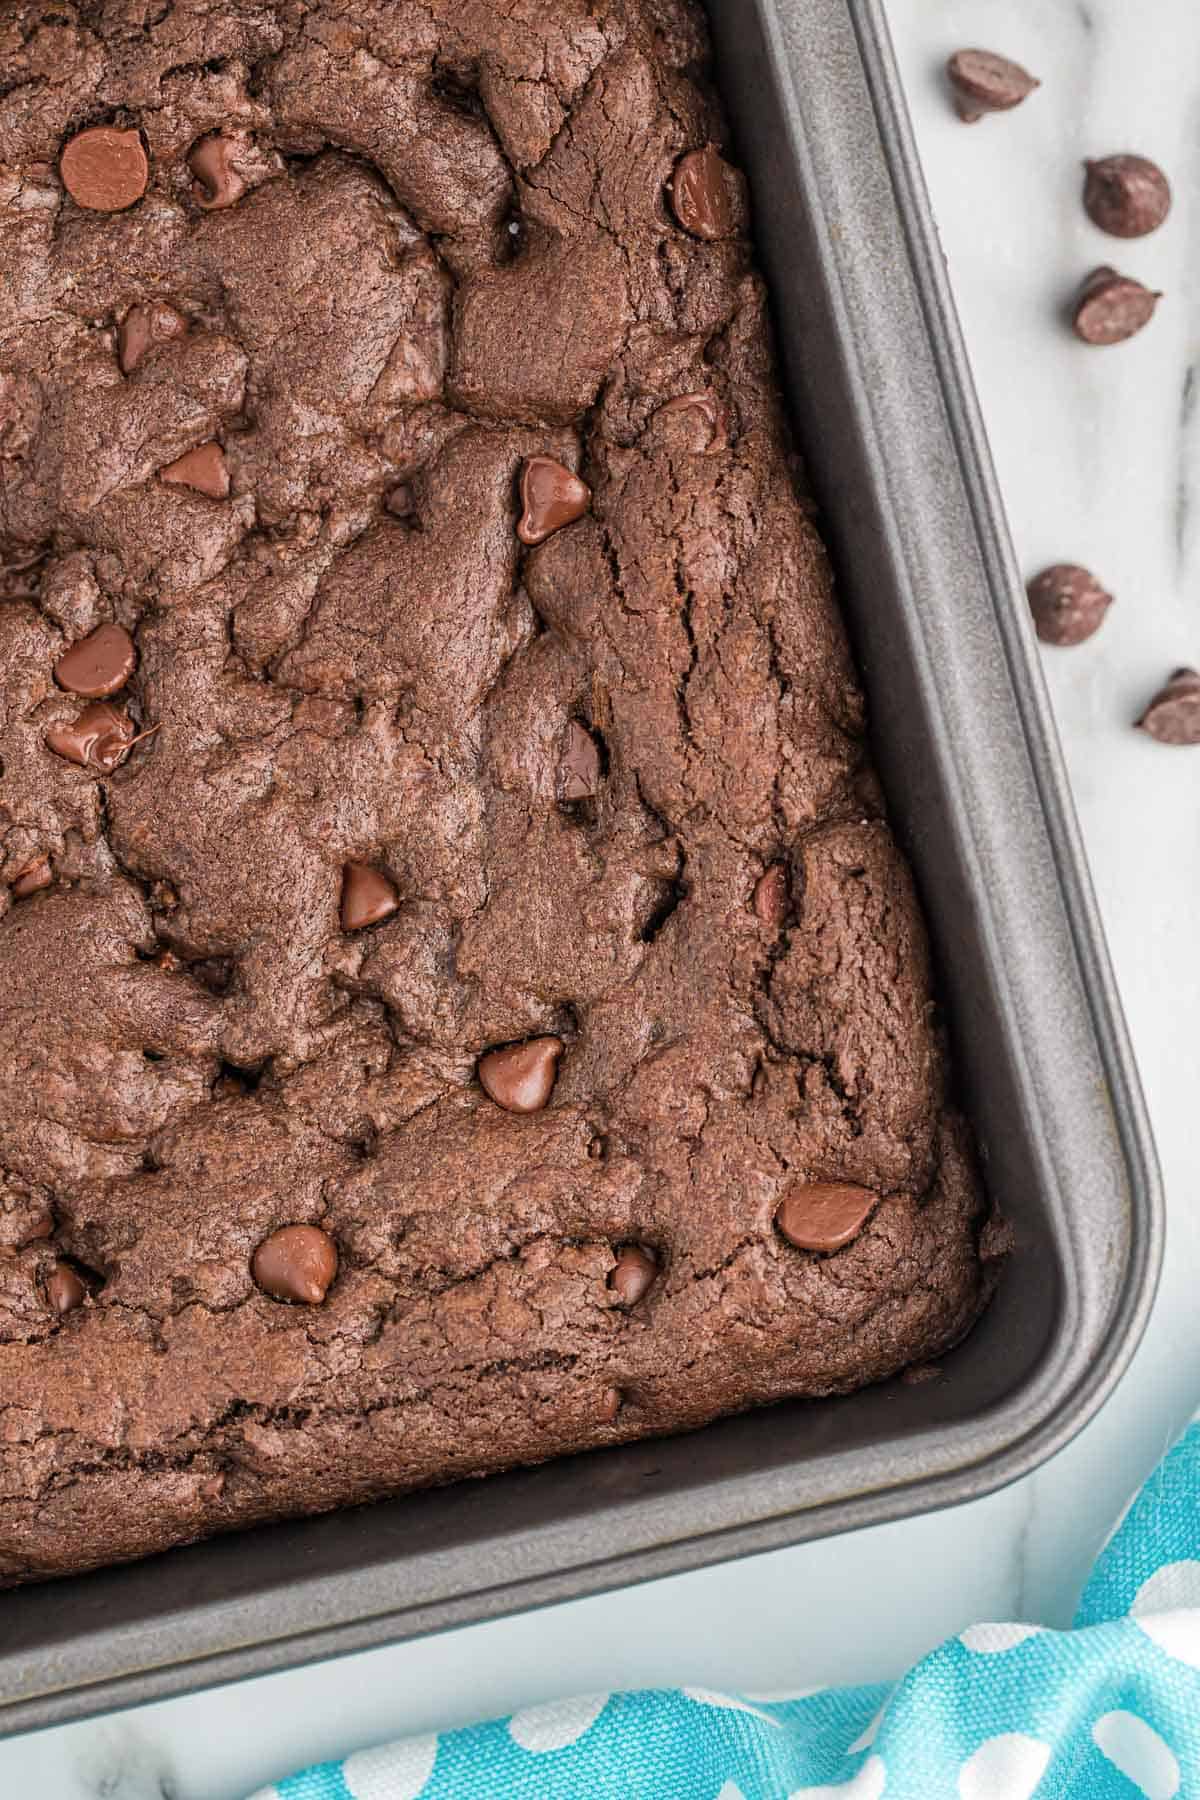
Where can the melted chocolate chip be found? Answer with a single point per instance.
(105, 169)
(297, 1263)
(824, 1215)
(521, 1077)
(99, 664)
(367, 896)
(1112, 307)
(1068, 604)
(211, 161)
(701, 194)
(579, 766)
(203, 468)
(551, 497)
(611, 1401)
(984, 82)
(633, 1274)
(1173, 716)
(34, 876)
(100, 738)
(701, 422)
(1127, 196)
(771, 896)
(64, 1290)
(144, 327)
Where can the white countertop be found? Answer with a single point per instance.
(1099, 458)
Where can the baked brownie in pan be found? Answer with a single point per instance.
(461, 1000)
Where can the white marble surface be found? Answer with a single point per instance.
(1099, 457)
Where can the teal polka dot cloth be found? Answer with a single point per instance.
(1107, 1711)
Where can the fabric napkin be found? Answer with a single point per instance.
(1107, 1711)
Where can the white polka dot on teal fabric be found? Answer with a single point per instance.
(540, 1729)
(731, 1791)
(1141, 1755)
(869, 1784)
(994, 1640)
(391, 1772)
(1176, 1584)
(1007, 1767)
(728, 1703)
(1167, 1610)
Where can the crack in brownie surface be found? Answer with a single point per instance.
(461, 999)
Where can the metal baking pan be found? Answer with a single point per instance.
(888, 422)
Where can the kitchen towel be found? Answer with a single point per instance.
(1107, 1711)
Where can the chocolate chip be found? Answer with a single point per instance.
(1173, 716)
(100, 738)
(611, 1401)
(824, 1215)
(984, 82)
(702, 423)
(633, 1274)
(579, 766)
(521, 1077)
(367, 896)
(297, 1262)
(551, 497)
(1068, 604)
(1127, 196)
(771, 896)
(701, 193)
(212, 161)
(145, 326)
(203, 468)
(35, 875)
(1112, 307)
(104, 168)
(401, 502)
(99, 664)
(64, 1290)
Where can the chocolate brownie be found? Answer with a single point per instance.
(462, 1001)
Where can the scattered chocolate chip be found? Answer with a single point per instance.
(212, 161)
(203, 468)
(1111, 307)
(297, 1262)
(984, 82)
(551, 497)
(1068, 604)
(611, 1401)
(771, 896)
(1127, 196)
(34, 876)
(701, 193)
(633, 1274)
(367, 896)
(145, 326)
(598, 1148)
(702, 422)
(100, 738)
(521, 1077)
(579, 766)
(64, 1290)
(824, 1215)
(104, 168)
(1173, 716)
(99, 664)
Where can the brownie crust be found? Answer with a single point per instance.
(471, 915)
